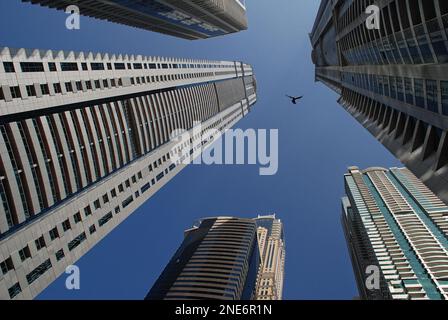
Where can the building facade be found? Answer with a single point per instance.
(394, 224)
(271, 242)
(88, 138)
(218, 260)
(394, 79)
(188, 19)
(226, 259)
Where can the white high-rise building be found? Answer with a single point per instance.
(85, 140)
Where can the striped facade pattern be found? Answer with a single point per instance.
(392, 80)
(272, 248)
(393, 221)
(217, 261)
(188, 19)
(75, 163)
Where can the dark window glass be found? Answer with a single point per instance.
(15, 92)
(52, 66)
(66, 225)
(69, 66)
(120, 66)
(444, 90)
(57, 87)
(54, 234)
(40, 243)
(44, 88)
(9, 67)
(31, 91)
(97, 66)
(32, 66)
(84, 66)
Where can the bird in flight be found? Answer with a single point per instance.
(294, 99)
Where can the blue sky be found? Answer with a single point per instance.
(318, 141)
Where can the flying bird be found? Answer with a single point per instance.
(294, 99)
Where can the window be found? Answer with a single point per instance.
(419, 95)
(66, 225)
(138, 66)
(40, 270)
(431, 96)
(54, 234)
(52, 66)
(77, 241)
(139, 175)
(87, 211)
(68, 87)
(92, 229)
(109, 66)
(129, 66)
(44, 88)
(105, 84)
(444, 90)
(120, 188)
(77, 217)
(97, 204)
(40, 243)
(89, 85)
(105, 219)
(127, 201)
(150, 168)
(84, 66)
(2, 96)
(134, 179)
(7, 265)
(60, 255)
(152, 66)
(120, 66)
(113, 192)
(79, 85)
(15, 92)
(9, 67)
(97, 66)
(97, 84)
(32, 66)
(69, 66)
(117, 210)
(57, 87)
(113, 83)
(105, 198)
(127, 183)
(31, 91)
(14, 290)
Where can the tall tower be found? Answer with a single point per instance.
(271, 242)
(85, 139)
(397, 234)
(188, 19)
(393, 80)
(218, 260)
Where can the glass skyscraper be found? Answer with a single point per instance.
(397, 234)
(85, 139)
(226, 258)
(394, 79)
(188, 19)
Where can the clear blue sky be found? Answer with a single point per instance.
(318, 141)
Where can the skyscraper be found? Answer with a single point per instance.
(397, 234)
(188, 19)
(87, 138)
(218, 260)
(226, 259)
(271, 241)
(394, 79)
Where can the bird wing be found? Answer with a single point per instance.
(290, 97)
